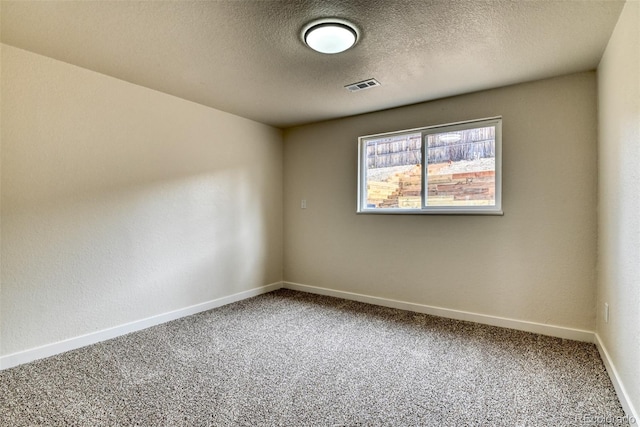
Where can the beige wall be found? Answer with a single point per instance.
(120, 202)
(619, 200)
(536, 263)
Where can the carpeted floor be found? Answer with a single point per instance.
(294, 359)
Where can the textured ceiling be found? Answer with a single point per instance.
(247, 58)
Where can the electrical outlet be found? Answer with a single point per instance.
(303, 204)
(606, 313)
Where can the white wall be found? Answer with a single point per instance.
(536, 263)
(619, 200)
(120, 202)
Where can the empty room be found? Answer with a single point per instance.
(320, 213)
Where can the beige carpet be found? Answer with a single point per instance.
(295, 359)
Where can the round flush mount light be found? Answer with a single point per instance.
(330, 35)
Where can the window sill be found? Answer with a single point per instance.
(428, 212)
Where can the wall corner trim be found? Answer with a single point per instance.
(73, 343)
(521, 325)
(629, 410)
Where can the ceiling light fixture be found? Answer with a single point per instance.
(330, 35)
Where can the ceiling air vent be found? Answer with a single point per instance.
(365, 84)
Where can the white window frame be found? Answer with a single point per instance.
(431, 210)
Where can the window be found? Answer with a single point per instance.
(447, 169)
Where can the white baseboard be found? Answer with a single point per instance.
(521, 325)
(623, 396)
(52, 349)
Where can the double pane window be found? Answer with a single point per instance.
(448, 169)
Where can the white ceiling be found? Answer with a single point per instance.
(247, 58)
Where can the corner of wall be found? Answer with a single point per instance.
(618, 337)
